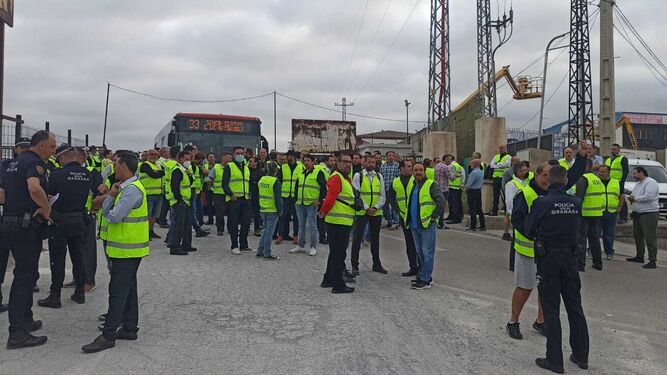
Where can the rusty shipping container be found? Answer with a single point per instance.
(323, 136)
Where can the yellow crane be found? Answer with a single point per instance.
(625, 121)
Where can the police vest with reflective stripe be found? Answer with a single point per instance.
(289, 178)
(239, 183)
(612, 193)
(129, 238)
(153, 186)
(564, 163)
(402, 196)
(615, 166)
(426, 203)
(309, 189)
(456, 184)
(267, 202)
(216, 187)
(498, 171)
(594, 200)
(370, 192)
(342, 213)
(522, 244)
(185, 187)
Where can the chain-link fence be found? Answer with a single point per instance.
(9, 136)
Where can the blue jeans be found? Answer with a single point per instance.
(608, 232)
(270, 221)
(309, 213)
(196, 209)
(390, 215)
(425, 246)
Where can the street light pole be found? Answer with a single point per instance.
(407, 121)
(544, 84)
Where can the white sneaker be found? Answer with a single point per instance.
(313, 251)
(236, 251)
(297, 250)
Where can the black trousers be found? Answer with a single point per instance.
(410, 249)
(512, 256)
(219, 206)
(322, 229)
(589, 232)
(498, 194)
(208, 207)
(123, 297)
(339, 238)
(374, 223)
(67, 236)
(289, 214)
(475, 208)
(180, 232)
(4, 258)
(26, 246)
(164, 208)
(455, 205)
(558, 276)
(90, 250)
(238, 214)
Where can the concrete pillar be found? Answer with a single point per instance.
(535, 157)
(490, 132)
(437, 144)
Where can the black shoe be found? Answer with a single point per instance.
(420, 285)
(201, 233)
(33, 325)
(380, 269)
(355, 271)
(52, 301)
(153, 235)
(650, 265)
(597, 267)
(100, 343)
(102, 317)
(3, 307)
(635, 260)
(350, 280)
(25, 340)
(507, 237)
(482, 229)
(582, 365)
(247, 250)
(342, 290)
(453, 222)
(326, 284)
(221, 233)
(271, 257)
(191, 249)
(514, 331)
(412, 272)
(544, 363)
(468, 229)
(123, 334)
(349, 274)
(79, 297)
(441, 225)
(539, 327)
(492, 214)
(324, 242)
(177, 251)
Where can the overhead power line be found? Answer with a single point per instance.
(188, 100)
(354, 49)
(625, 20)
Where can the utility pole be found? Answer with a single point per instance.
(275, 134)
(106, 113)
(544, 84)
(407, 121)
(344, 106)
(607, 77)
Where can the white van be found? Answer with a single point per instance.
(657, 172)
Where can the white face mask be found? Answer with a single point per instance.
(187, 165)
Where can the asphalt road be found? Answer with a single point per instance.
(212, 312)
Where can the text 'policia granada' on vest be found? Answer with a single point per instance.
(612, 193)
(457, 183)
(498, 172)
(309, 189)
(267, 202)
(342, 212)
(289, 179)
(615, 166)
(185, 188)
(522, 244)
(216, 187)
(402, 196)
(239, 183)
(129, 238)
(594, 200)
(426, 203)
(153, 186)
(370, 192)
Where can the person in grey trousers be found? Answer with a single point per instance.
(645, 214)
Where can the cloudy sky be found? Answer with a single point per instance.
(60, 55)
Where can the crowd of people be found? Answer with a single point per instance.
(73, 196)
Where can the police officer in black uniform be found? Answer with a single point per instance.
(72, 184)
(27, 213)
(557, 271)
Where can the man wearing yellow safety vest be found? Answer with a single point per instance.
(327, 164)
(370, 185)
(179, 192)
(568, 159)
(126, 211)
(287, 176)
(398, 197)
(499, 163)
(167, 163)
(591, 191)
(236, 185)
(620, 171)
(311, 188)
(197, 177)
(338, 213)
(270, 206)
(613, 202)
(150, 175)
(524, 263)
(512, 188)
(424, 205)
(456, 177)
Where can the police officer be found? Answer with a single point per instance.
(557, 271)
(72, 185)
(27, 211)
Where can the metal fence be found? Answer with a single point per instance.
(9, 137)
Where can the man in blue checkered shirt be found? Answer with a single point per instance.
(390, 170)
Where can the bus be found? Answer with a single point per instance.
(212, 133)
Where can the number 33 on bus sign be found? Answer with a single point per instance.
(216, 125)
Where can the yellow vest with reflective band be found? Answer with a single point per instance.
(89, 200)
(103, 225)
(342, 213)
(498, 172)
(324, 170)
(430, 173)
(370, 192)
(594, 200)
(216, 186)
(95, 162)
(239, 183)
(531, 175)
(615, 167)
(456, 184)
(564, 163)
(185, 187)
(267, 202)
(196, 178)
(169, 166)
(153, 186)
(519, 184)
(612, 193)
(522, 244)
(426, 203)
(289, 179)
(129, 238)
(402, 196)
(309, 189)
